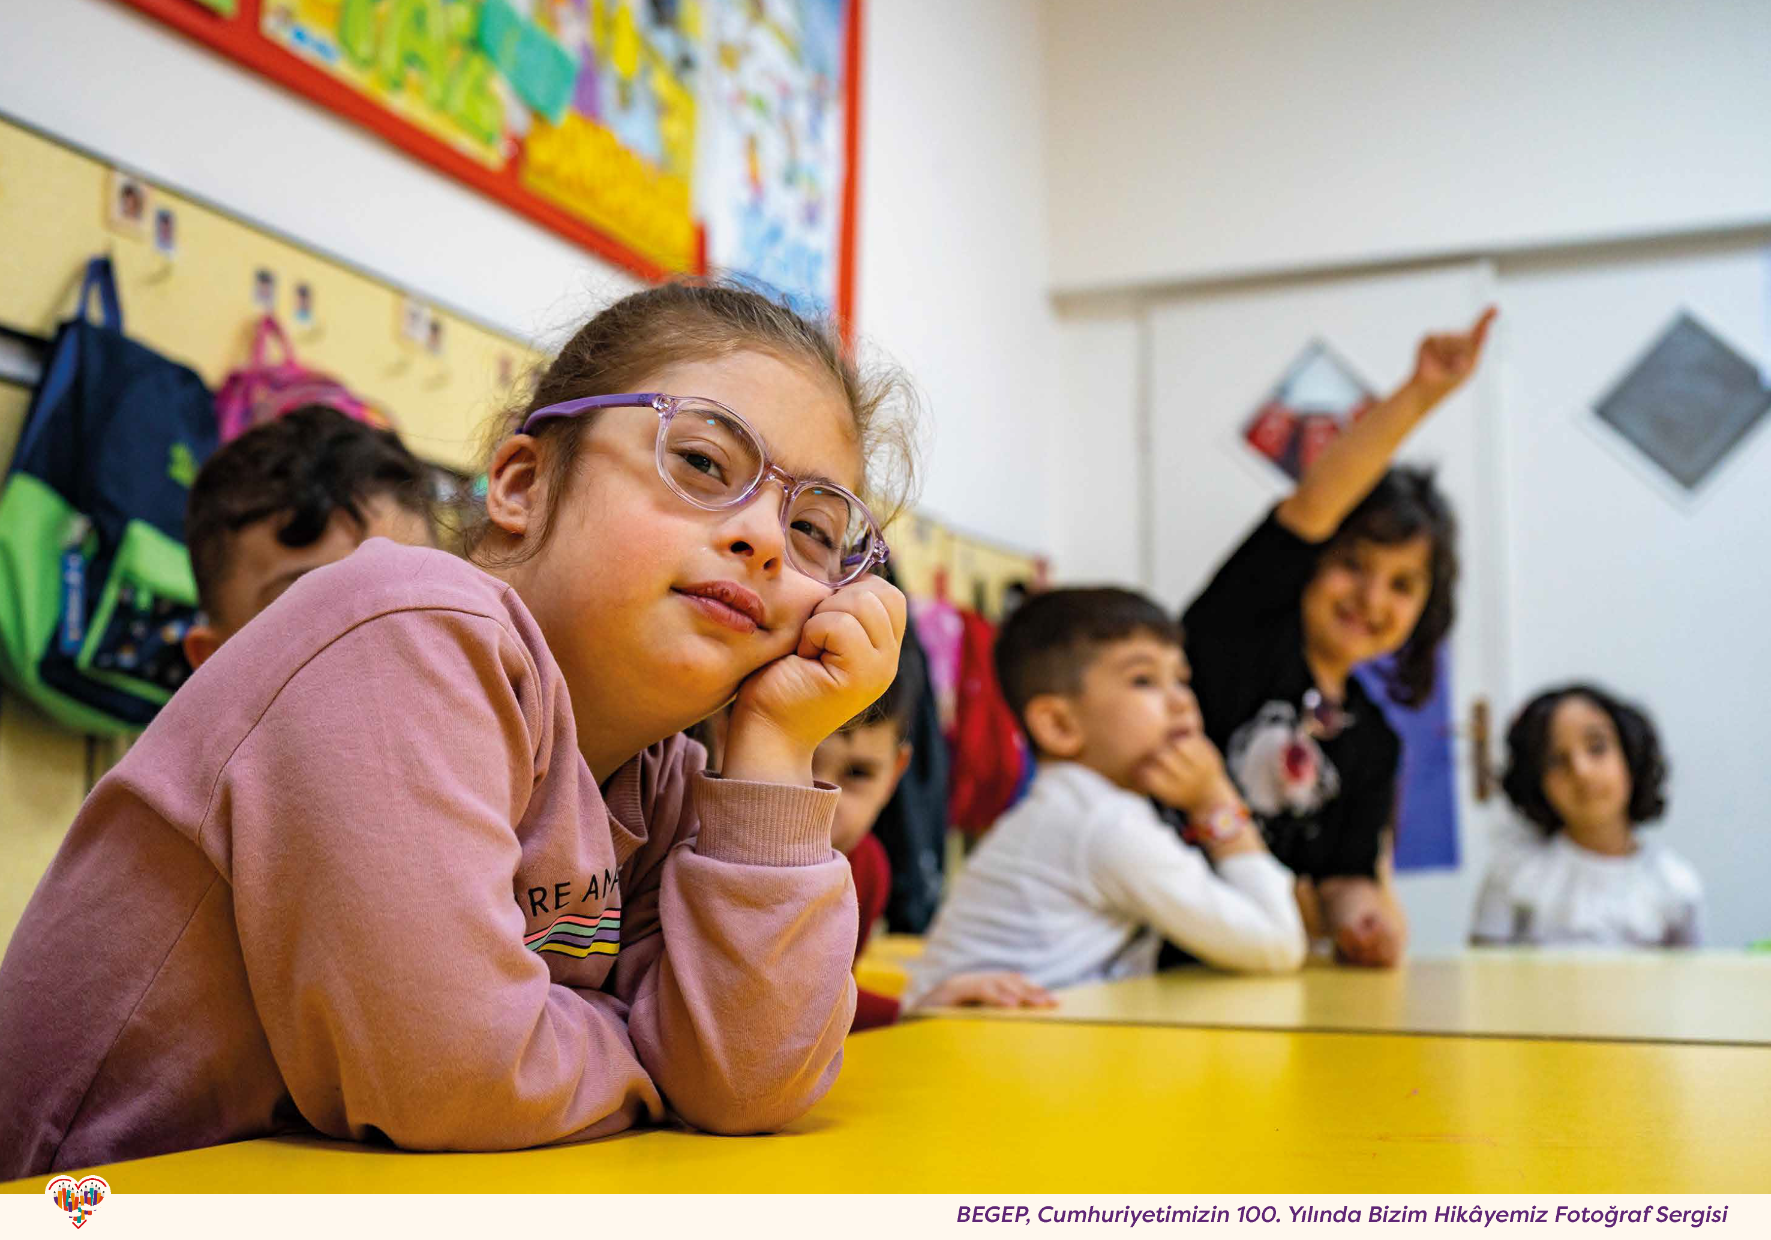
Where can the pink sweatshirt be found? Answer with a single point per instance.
(357, 874)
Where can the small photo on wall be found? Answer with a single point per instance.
(414, 321)
(304, 305)
(126, 204)
(166, 232)
(264, 290)
(433, 336)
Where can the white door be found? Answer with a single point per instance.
(1214, 358)
(1622, 576)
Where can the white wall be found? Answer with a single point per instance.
(952, 249)
(1097, 501)
(1616, 580)
(1202, 137)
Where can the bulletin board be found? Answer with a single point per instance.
(666, 138)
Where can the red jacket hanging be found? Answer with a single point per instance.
(988, 752)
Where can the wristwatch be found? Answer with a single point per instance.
(1219, 826)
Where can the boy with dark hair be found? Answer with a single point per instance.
(1083, 879)
(286, 498)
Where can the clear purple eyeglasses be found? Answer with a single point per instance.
(715, 460)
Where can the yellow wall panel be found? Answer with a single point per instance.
(197, 306)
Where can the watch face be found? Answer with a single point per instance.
(1222, 825)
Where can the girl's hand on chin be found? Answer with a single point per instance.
(846, 658)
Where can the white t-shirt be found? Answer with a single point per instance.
(1082, 879)
(1549, 891)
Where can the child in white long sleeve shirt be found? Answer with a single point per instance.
(1083, 878)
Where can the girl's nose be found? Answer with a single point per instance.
(1371, 595)
(752, 532)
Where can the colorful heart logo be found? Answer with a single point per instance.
(77, 1198)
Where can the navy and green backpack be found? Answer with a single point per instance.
(96, 589)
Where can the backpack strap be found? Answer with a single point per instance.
(100, 277)
(268, 330)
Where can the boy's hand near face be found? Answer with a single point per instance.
(847, 656)
(1189, 776)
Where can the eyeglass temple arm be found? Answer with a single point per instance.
(571, 408)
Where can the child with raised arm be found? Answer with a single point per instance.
(1082, 880)
(1358, 563)
(421, 855)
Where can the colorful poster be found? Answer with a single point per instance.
(621, 124)
(1313, 400)
(775, 146)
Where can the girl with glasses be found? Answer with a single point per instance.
(421, 856)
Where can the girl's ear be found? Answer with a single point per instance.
(516, 491)
(1051, 719)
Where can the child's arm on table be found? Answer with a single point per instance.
(1008, 990)
(1365, 917)
(742, 1016)
(372, 888)
(1245, 915)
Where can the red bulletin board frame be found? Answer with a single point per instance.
(238, 37)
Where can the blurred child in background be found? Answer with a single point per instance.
(1585, 771)
(1358, 563)
(1081, 880)
(866, 759)
(290, 496)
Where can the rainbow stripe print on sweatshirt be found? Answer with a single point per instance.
(572, 935)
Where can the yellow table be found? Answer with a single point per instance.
(884, 967)
(1648, 997)
(982, 1106)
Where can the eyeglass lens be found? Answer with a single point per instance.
(711, 461)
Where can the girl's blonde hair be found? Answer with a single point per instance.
(700, 320)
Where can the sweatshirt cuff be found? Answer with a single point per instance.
(763, 824)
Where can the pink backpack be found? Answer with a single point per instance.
(262, 390)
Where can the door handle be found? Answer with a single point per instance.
(1480, 762)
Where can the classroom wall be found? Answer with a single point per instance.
(1100, 500)
(1271, 135)
(953, 270)
(952, 230)
(1617, 577)
(107, 78)
(1285, 142)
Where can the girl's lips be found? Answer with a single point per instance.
(1353, 622)
(726, 603)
